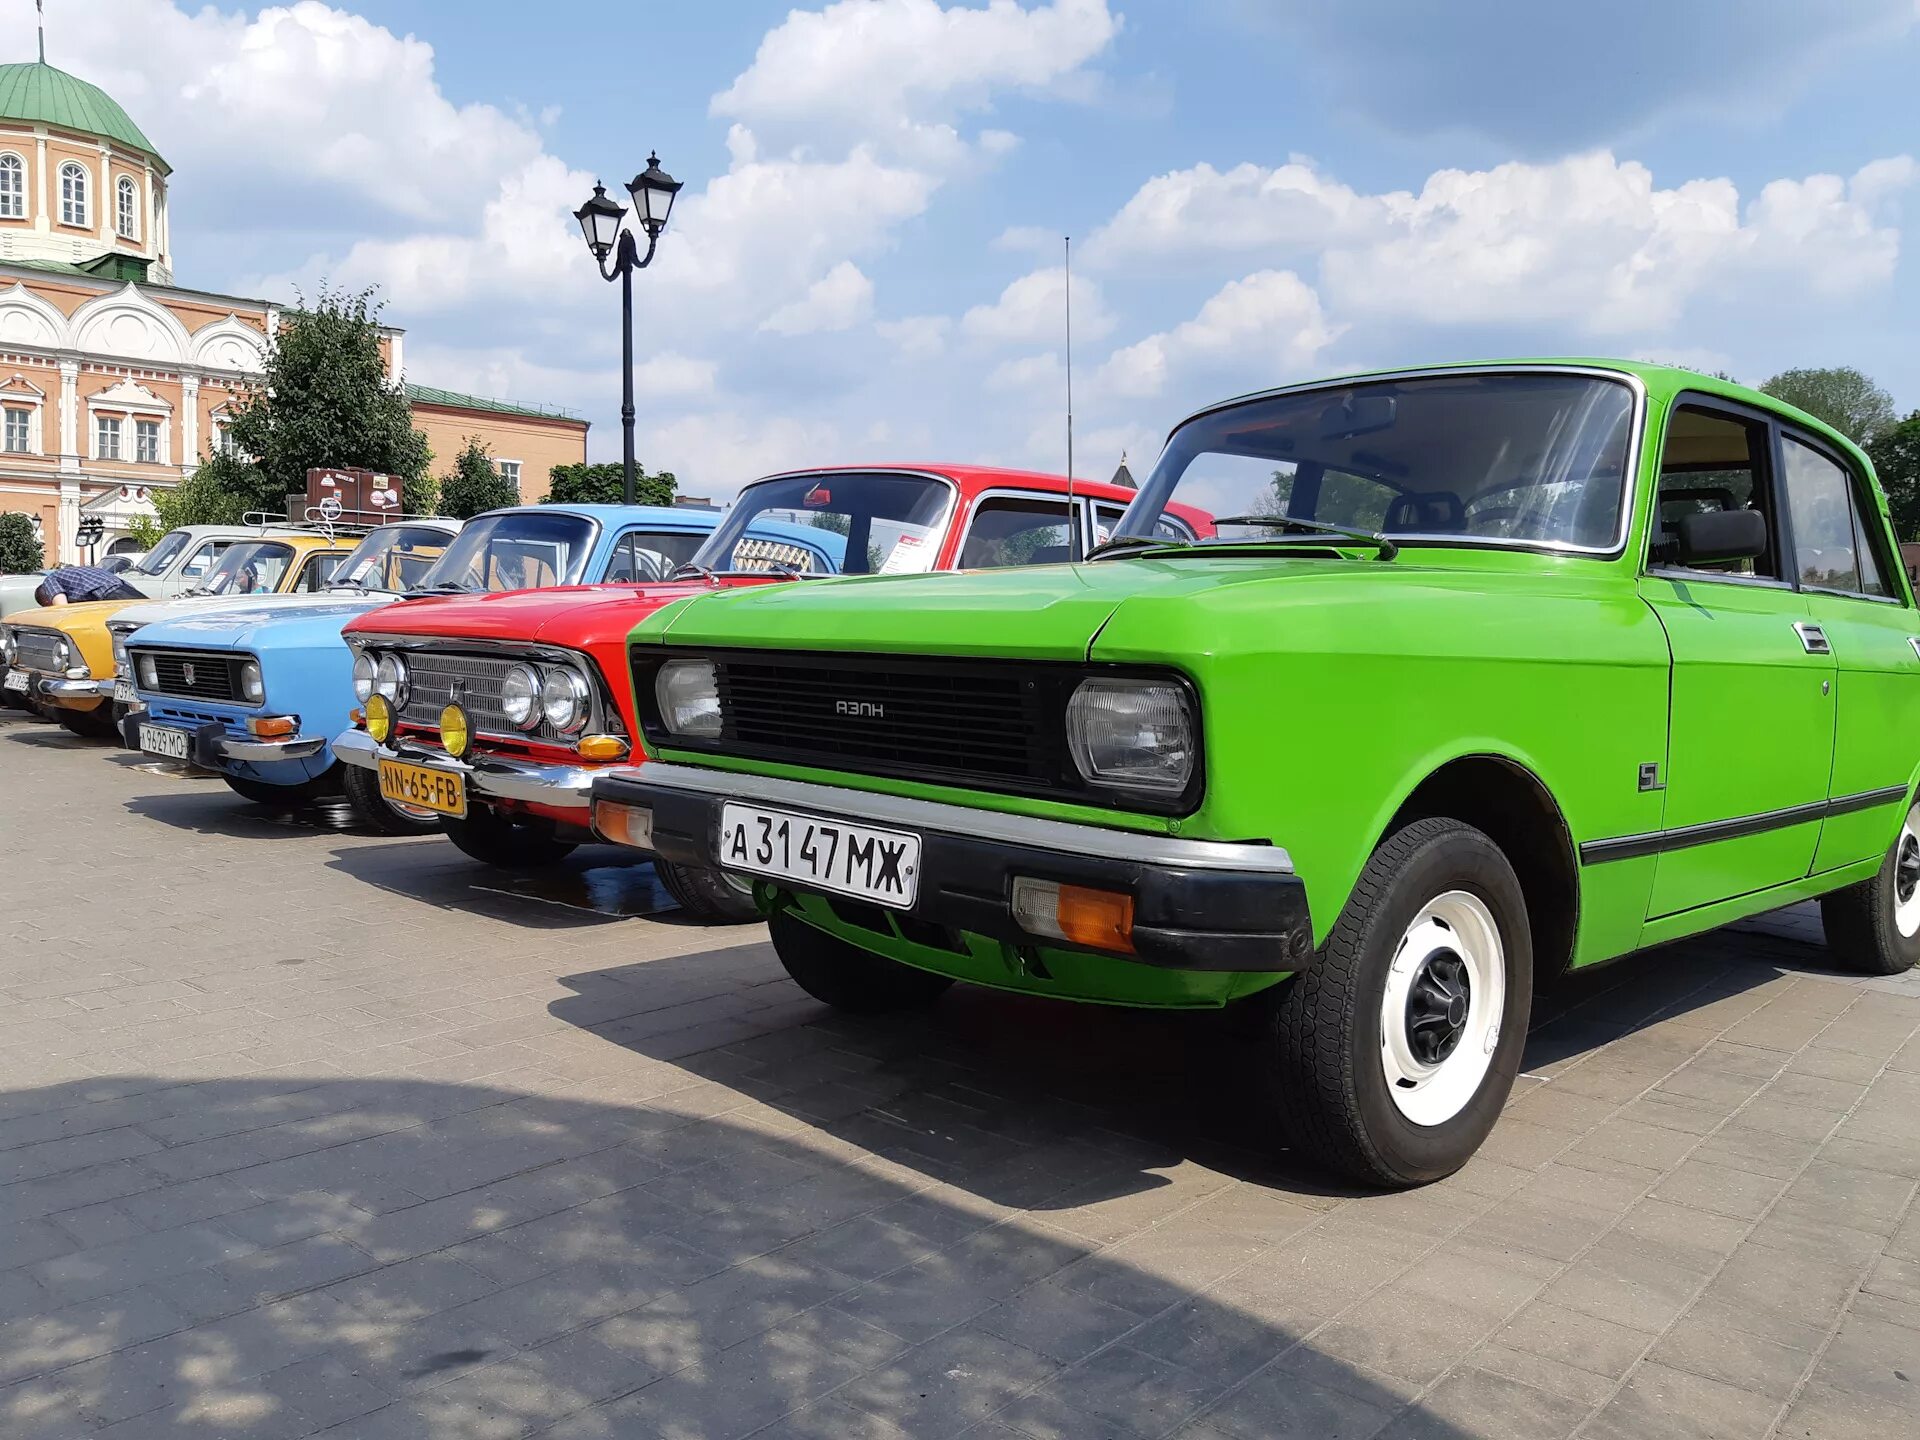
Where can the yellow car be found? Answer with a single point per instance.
(60, 659)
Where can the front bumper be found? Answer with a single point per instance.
(564, 787)
(1197, 904)
(213, 747)
(62, 689)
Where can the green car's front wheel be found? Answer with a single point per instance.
(707, 893)
(1395, 1052)
(847, 977)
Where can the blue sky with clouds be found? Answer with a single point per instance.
(865, 261)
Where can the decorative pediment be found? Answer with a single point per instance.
(128, 394)
(229, 344)
(27, 319)
(128, 325)
(19, 388)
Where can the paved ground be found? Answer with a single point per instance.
(307, 1130)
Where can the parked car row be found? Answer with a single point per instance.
(1382, 701)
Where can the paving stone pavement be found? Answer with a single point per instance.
(309, 1131)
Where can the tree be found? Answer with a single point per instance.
(325, 400)
(1895, 453)
(1840, 395)
(20, 553)
(222, 490)
(600, 485)
(474, 486)
(145, 531)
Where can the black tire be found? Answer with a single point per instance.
(363, 793)
(847, 977)
(95, 724)
(1863, 920)
(1331, 1088)
(706, 894)
(279, 797)
(505, 844)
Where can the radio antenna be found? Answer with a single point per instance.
(1073, 518)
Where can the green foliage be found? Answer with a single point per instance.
(222, 490)
(20, 553)
(145, 531)
(1895, 453)
(420, 496)
(474, 486)
(325, 400)
(1842, 396)
(600, 485)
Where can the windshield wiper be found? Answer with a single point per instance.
(1380, 542)
(1130, 542)
(687, 569)
(445, 587)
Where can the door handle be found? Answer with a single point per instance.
(1814, 640)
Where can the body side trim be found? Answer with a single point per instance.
(1630, 847)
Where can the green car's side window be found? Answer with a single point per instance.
(1715, 460)
(1831, 546)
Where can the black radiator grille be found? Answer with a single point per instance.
(192, 674)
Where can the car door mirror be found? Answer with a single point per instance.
(1716, 536)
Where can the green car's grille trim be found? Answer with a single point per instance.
(1655, 842)
(879, 807)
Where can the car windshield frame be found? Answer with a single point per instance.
(737, 522)
(155, 561)
(248, 548)
(1160, 487)
(480, 531)
(385, 534)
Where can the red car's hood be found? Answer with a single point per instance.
(575, 616)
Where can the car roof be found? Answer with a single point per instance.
(972, 479)
(685, 515)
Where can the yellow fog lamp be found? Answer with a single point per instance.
(379, 717)
(456, 734)
(602, 747)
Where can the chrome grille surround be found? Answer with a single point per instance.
(34, 650)
(435, 667)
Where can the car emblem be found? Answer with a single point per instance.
(860, 709)
(186, 672)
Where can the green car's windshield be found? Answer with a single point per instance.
(1513, 457)
(394, 558)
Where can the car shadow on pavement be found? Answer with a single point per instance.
(397, 1257)
(213, 809)
(49, 735)
(596, 885)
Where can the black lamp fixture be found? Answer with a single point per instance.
(652, 192)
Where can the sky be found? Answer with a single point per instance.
(865, 263)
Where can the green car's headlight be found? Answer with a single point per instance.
(689, 696)
(1132, 735)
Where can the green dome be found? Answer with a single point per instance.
(37, 93)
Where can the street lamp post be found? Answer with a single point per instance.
(652, 191)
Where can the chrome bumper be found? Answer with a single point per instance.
(265, 752)
(569, 787)
(82, 689)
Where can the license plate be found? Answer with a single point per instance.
(16, 680)
(123, 692)
(444, 791)
(159, 740)
(878, 865)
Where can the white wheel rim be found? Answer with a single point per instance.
(1906, 877)
(1440, 1016)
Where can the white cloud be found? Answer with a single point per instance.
(1268, 325)
(1203, 213)
(838, 300)
(917, 336)
(901, 72)
(725, 449)
(1029, 374)
(1032, 311)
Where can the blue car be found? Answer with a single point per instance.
(258, 694)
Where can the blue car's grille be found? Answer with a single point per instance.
(190, 674)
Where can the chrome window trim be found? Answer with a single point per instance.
(941, 525)
(1630, 477)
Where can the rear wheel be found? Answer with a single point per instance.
(280, 797)
(1874, 927)
(707, 893)
(1396, 1051)
(847, 977)
(95, 724)
(506, 844)
(387, 816)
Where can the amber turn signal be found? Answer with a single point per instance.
(379, 717)
(269, 727)
(456, 735)
(1098, 919)
(356, 716)
(602, 747)
(623, 824)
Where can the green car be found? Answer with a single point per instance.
(1490, 672)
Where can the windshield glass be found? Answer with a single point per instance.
(393, 558)
(253, 568)
(514, 550)
(1516, 458)
(163, 554)
(849, 523)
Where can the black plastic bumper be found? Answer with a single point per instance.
(200, 738)
(1208, 918)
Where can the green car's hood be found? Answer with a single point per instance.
(1041, 612)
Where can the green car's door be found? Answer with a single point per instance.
(1841, 559)
(1751, 708)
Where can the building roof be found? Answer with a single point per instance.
(35, 92)
(453, 399)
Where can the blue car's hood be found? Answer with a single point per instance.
(298, 623)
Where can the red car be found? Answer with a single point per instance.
(501, 709)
